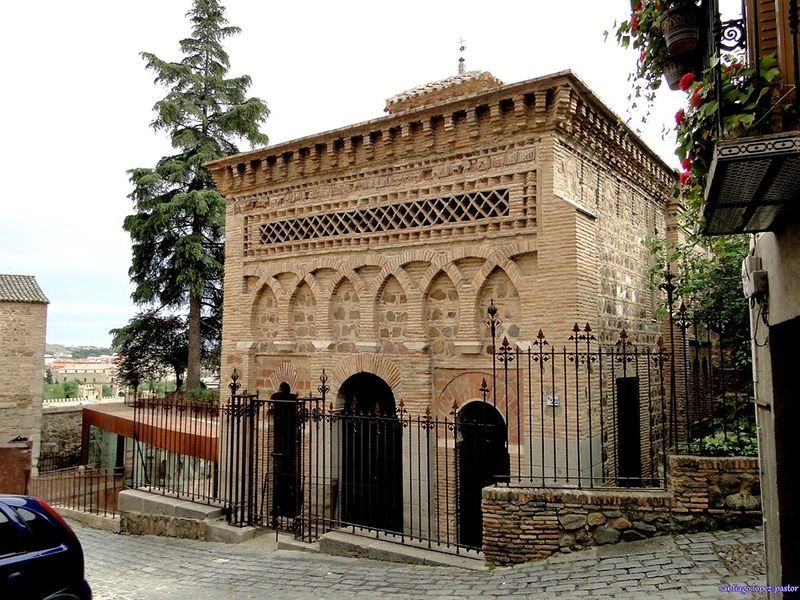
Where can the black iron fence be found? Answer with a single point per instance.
(80, 488)
(579, 413)
(176, 448)
(299, 465)
(584, 414)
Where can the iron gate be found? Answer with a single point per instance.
(302, 466)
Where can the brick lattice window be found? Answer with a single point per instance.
(471, 206)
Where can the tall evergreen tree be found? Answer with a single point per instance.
(178, 225)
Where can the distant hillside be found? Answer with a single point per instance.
(76, 351)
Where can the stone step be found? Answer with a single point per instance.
(220, 531)
(342, 543)
(288, 542)
(148, 503)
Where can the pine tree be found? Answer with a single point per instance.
(179, 220)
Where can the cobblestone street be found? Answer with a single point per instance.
(122, 567)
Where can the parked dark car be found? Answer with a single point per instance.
(40, 556)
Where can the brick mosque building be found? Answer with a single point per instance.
(373, 252)
(377, 247)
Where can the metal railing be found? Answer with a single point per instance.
(60, 460)
(583, 414)
(80, 488)
(299, 465)
(176, 448)
(79, 400)
(579, 414)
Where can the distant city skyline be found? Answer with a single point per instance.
(80, 116)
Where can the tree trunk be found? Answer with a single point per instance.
(193, 368)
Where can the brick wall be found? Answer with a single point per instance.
(522, 524)
(401, 290)
(581, 198)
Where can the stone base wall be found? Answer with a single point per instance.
(715, 485)
(170, 526)
(522, 524)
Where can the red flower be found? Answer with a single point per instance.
(679, 116)
(638, 7)
(686, 82)
(634, 23)
(685, 178)
(696, 99)
(643, 56)
(686, 164)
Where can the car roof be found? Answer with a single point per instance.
(18, 500)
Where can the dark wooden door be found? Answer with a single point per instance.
(482, 455)
(629, 435)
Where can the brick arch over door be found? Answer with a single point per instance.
(377, 364)
(283, 373)
(466, 387)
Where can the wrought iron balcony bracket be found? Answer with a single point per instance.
(733, 36)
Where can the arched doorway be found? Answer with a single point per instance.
(482, 454)
(372, 489)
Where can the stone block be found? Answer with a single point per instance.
(595, 518)
(605, 535)
(130, 501)
(729, 484)
(643, 527)
(742, 502)
(620, 523)
(571, 522)
(632, 536)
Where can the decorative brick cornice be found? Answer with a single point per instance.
(558, 101)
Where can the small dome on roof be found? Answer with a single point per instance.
(437, 92)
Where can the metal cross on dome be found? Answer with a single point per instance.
(461, 63)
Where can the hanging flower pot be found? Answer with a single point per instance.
(681, 28)
(673, 71)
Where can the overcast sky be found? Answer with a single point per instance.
(77, 104)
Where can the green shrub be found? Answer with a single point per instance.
(741, 444)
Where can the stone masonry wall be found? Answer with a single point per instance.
(22, 336)
(522, 524)
(61, 429)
